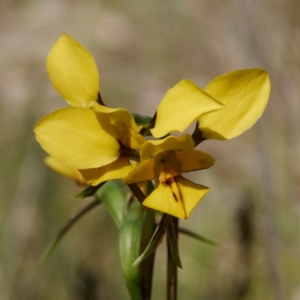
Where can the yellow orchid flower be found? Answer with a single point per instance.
(166, 159)
(65, 170)
(241, 95)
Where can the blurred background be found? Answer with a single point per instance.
(142, 49)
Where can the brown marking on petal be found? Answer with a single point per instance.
(169, 183)
(174, 196)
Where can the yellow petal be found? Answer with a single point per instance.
(192, 160)
(115, 170)
(73, 71)
(153, 147)
(78, 138)
(245, 94)
(162, 198)
(64, 170)
(144, 171)
(181, 106)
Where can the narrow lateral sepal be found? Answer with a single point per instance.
(156, 238)
(173, 243)
(197, 236)
(88, 192)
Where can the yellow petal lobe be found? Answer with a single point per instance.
(78, 138)
(115, 170)
(73, 71)
(245, 94)
(181, 106)
(64, 170)
(191, 193)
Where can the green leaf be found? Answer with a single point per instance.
(130, 245)
(173, 243)
(113, 198)
(156, 239)
(141, 120)
(197, 236)
(89, 191)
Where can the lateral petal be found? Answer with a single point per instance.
(73, 71)
(244, 94)
(115, 170)
(78, 138)
(192, 160)
(181, 106)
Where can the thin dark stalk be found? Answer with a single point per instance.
(146, 129)
(197, 135)
(137, 192)
(100, 100)
(196, 236)
(172, 268)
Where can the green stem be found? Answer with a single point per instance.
(147, 264)
(172, 268)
